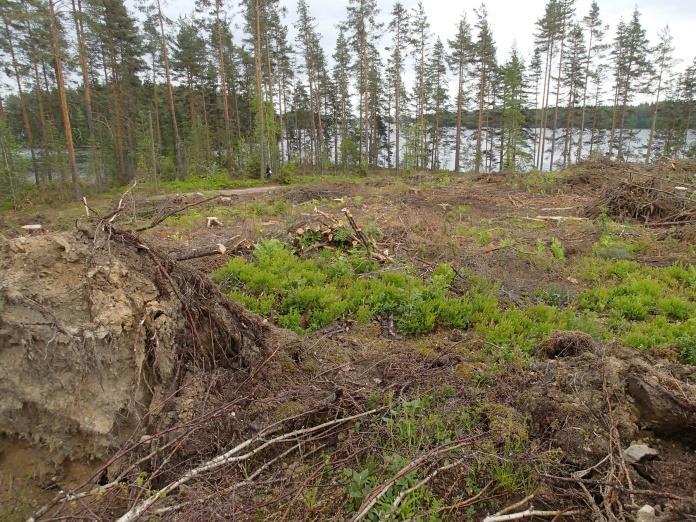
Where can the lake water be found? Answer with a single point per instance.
(634, 148)
(635, 143)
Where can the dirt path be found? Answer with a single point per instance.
(250, 190)
(223, 192)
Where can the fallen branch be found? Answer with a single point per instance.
(159, 220)
(531, 512)
(234, 487)
(112, 217)
(233, 455)
(379, 491)
(332, 220)
(558, 219)
(358, 231)
(228, 247)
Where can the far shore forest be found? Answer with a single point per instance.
(228, 91)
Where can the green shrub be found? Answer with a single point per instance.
(645, 307)
(676, 308)
(287, 173)
(557, 249)
(485, 238)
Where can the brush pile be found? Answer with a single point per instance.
(659, 195)
(330, 232)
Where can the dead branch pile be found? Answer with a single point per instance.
(651, 201)
(659, 195)
(331, 232)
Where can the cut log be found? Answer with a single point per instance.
(213, 222)
(558, 219)
(218, 249)
(32, 228)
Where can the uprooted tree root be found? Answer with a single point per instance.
(220, 330)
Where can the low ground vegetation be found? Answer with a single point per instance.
(644, 307)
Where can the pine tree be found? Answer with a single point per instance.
(437, 95)
(513, 114)
(460, 58)
(631, 67)
(300, 119)
(662, 67)
(37, 26)
(574, 83)
(178, 144)
(484, 69)
(592, 65)
(421, 50)
(399, 27)
(363, 29)
(341, 80)
(259, 94)
(119, 50)
(562, 26)
(85, 70)
(190, 63)
(284, 72)
(67, 127)
(216, 22)
(546, 43)
(535, 79)
(310, 44)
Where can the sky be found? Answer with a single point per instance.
(512, 21)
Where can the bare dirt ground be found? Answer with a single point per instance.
(350, 422)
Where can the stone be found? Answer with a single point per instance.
(646, 514)
(637, 452)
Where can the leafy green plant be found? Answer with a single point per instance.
(557, 249)
(485, 238)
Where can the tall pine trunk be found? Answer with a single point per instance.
(223, 87)
(259, 93)
(397, 100)
(477, 167)
(64, 102)
(87, 90)
(578, 155)
(546, 95)
(558, 98)
(22, 103)
(460, 103)
(178, 145)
